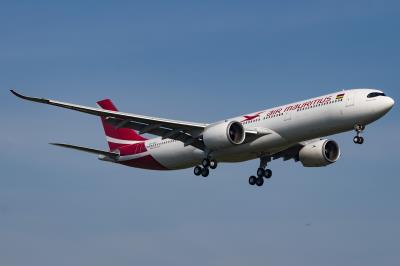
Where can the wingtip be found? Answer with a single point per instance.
(29, 98)
(56, 144)
(16, 93)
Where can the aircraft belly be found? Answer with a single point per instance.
(267, 144)
(175, 156)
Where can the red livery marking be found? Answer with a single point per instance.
(117, 133)
(308, 103)
(119, 139)
(145, 162)
(251, 117)
(132, 149)
(275, 111)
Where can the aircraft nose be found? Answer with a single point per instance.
(382, 106)
(389, 103)
(385, 104)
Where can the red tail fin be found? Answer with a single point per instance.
(117, 137)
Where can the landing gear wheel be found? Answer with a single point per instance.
(205, 172)
(205, 163)
(252, 180)
(359, 129)
(198, 170)
(268, 173)
(259, 181)
(260, 172)
(358, 140)
(213, 164)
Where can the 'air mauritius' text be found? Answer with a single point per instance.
(306, 104)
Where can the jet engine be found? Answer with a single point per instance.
(224, 134)
(319, 153)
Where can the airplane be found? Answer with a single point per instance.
(293, 131)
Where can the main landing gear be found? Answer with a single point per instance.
(262, 173)
(204, 168)
(358, 139)
(259, 179)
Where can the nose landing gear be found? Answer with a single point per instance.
(358, 139)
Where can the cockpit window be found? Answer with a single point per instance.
(375, 94)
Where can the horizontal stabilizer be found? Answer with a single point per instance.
(111, 155)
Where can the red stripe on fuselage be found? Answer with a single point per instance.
(145, 162)
(132, 149)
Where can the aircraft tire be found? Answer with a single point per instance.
(197, 170)
(205, 163)
(213, 164)
(252, 180)
(259, 181)
(260, 172)
(205, 172)
(268, 173)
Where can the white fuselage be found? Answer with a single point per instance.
(285, 126)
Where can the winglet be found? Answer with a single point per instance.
(33, 99)
(17, 94)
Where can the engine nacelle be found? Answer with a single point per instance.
(319, 153)
(223, 135)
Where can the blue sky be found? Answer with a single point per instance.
(200, 61)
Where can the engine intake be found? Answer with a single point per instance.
(319, 153)
(223, 135)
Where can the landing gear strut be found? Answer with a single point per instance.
(262, 173)
(358, 139)
(203, 169)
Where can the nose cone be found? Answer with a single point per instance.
(385, 104)
(390, 103)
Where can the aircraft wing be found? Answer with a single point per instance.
(189, 133)
(291, 152)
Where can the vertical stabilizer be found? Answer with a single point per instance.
(117, 137)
